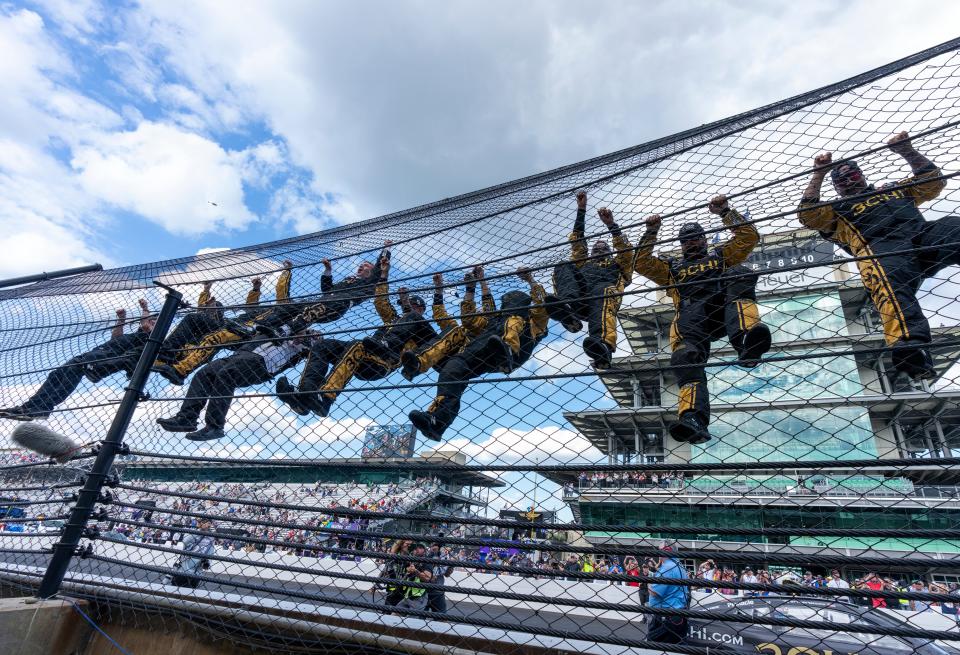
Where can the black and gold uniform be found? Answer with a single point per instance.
(507, 343)
(591, 288)
(712, 296)
(453, 336)
(335, 300)
(885, 224)
(200, 351)
(207, 318)
(370, 358)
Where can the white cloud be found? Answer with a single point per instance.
(465, 99)
(548, 444)
(167, 175)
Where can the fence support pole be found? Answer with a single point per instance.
(73, 531)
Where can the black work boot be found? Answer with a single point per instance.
(756, 343)
(206, 433)
(427, 424)
(690, 429)
(177, 423)
(409, 365)
(561, 312)
(288, 395)
(598, 351)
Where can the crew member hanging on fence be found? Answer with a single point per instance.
(194, 354)
(453, 336)
(370, 358)
(106, 359)
(215, 383)
(712, 295)
(867, 221)
(591, 288)
(207, 318)
(335, 299)
(507, 343)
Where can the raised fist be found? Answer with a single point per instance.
(718, 204)
(606, 216)
(387, 243)
(525, 274)
(823, 159)
(255, 282)
(207, 286)
(652, 222)
(581, 199)
(326, 265)
(900, 143)
(121, 313)
(143, 304)
(478, 272)
(438, 279)
(287, 264)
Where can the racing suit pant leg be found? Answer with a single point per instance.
(692, 328)
(448, 344)
(191, 329)
(893, 282)
(201, 388)
(204, 351)
(747, 334)
(604, 304)
(321, 358)
(242, 369)
(940, 245)
(61, 382)
(343, 371)
(569, 287)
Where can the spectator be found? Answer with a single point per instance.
(919, 605)
(750, 578)
(436, 598)
(837, 582)
(669, 629)
(874, 583)
(415, 598)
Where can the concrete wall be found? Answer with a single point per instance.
(49, 627)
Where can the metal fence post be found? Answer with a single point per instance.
(73, 531)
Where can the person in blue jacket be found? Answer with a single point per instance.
(669, 629)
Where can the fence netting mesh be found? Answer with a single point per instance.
(695, 394)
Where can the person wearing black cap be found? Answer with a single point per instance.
(370, 358)
(712, 295)
(886, 223)
(436, 598)
(506, 344)
(591, 288)
(453, 336)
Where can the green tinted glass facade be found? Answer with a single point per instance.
(806, 434)
(840, 433)
(740, 517)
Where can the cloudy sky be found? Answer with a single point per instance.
(132, 132)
